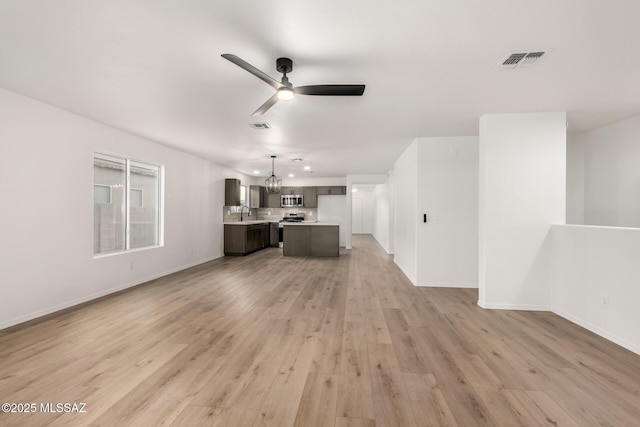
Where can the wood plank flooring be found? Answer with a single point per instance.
(264, 340)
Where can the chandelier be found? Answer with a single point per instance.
(273, 183)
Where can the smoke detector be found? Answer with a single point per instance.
(522, 59)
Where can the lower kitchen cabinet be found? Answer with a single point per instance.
(242, 239)
(316, 240)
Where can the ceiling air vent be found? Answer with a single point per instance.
(522, 59)
(260, 126)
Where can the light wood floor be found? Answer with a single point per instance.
(264, 340)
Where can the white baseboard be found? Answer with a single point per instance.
(523, 307)
(411, 279)
(381, 245)
(449, 285)
(599, 331)
(34, 315)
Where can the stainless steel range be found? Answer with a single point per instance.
(292, 217)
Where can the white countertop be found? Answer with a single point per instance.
(315, 223)
(266, 221)
(248, 222)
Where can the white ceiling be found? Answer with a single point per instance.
(153, 68)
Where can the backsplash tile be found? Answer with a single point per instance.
(232, 213)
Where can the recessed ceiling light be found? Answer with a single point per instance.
(291, 175)
(307, 168)
(256, 172)
(354, 190)
(297, 159)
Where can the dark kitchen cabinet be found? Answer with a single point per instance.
(231, 192)
(295, 240)
(255, 240)
(241, 239)
(271, 200)
(274, 234)
(333, 190)
(266, 230)
(310, 195)
(311, 240)
(292, 191)
(256, 197)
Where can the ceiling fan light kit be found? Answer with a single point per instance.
(285, 94)
(285, 90)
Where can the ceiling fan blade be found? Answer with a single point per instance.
(330, 90)
(264, 107)
(253, 70)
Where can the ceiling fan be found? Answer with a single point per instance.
(285, 90)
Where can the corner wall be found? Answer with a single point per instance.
(381, 215)
(46, 161)
(405, 211)
(612, 175)
(522, 192)
(575, 178)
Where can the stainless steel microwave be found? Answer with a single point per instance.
(288, 201)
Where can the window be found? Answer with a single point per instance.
(243, 195)
(135, 197)
(102, 194)
(128, 198)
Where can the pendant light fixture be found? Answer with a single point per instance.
(273, 183)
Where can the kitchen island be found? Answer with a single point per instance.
(318, 239)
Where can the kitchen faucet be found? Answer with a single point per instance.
(241, 208)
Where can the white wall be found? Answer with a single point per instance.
(447, 245)
(381, 210)
(575, 178)
(612, 175)
(46, 162)
(363, 200)
(405, 171)
(522, 192)
(334, 209)
(309, 181)
(592, 265)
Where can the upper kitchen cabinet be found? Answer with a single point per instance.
(334, 190)
(310, 195)
(256, 197)
(270, 200)
(293, 191)
(231, 192)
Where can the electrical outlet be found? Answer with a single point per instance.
(605, 301)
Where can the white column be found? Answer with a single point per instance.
(522, 187)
